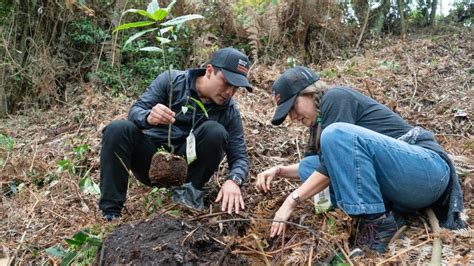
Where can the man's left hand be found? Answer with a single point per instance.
(231, 197)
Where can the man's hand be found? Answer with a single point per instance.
(160, 114)
(264, 178)
(231, 197)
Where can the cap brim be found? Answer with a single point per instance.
(237, 80)
(282, 110)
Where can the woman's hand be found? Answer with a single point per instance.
(264, 178)
(281, 216)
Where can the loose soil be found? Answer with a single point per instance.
(164, 240)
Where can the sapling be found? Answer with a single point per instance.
(166, 169)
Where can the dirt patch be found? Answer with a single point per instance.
(165, 241)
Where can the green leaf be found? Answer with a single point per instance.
(173, 212)
(181, 19)
(137, 35)
(159, 201)
(170, 6)
(163, 40)
(69, 258)
(56, 251)
(79, 238)
(6, 143)
(94, 241)
(160, 14)
(152, 6)
(137, 24)
(88, 186)
(165, 30)
(140, 12)
(151, 49)
(184, 109)
(199, 103)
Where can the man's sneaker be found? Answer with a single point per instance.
(110, 216)
(376, 234)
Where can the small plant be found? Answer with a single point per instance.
(154, 16)
(83, 34)
(65, 165)
(6, 144)
(79, 151)
(164, 166)
(291, 62)
(329, 73)
(388, 65)
(154, 200)
(88, 186)
(82, 248)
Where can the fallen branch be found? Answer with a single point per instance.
(437, 245)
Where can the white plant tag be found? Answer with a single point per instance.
(191, 148)
(322, 201)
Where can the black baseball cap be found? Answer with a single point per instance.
(234, 65)
(287, 87)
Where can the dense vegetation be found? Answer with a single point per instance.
(49, 47)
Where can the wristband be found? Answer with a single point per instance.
(237, 180)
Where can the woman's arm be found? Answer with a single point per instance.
(264, 178)
(315, 183)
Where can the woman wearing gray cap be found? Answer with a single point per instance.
(375, 163)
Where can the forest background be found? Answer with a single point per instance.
(64, 75)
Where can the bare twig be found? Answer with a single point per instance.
(412, 68)
(366, 20)
(34, 156)
(190, 234)
(284, 248)
(259, 245)
(437, 245)
(310, 259)
(397, 234)
(403, 252)
(250, 252)
(344, 253)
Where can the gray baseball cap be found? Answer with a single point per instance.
(287, 87)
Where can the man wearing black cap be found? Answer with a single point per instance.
(130, 144)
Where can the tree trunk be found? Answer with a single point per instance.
(3, 93)
(378, 19)
(434, 5)
(360, 9)
(401, 12)
(306, 13)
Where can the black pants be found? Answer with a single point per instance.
(124, 146)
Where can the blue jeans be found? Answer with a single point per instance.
(370, 172)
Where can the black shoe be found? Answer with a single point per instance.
(110, 216)
(376, 234)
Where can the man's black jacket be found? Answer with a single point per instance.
(183, 83)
